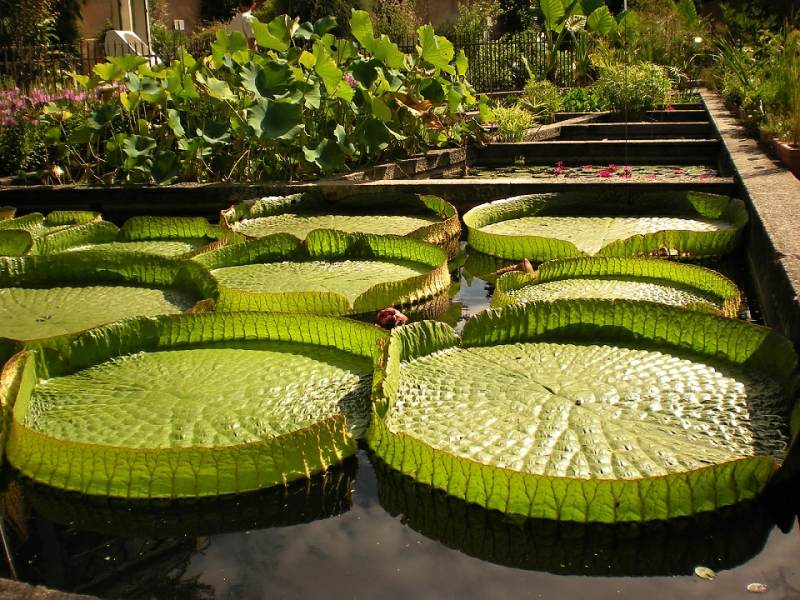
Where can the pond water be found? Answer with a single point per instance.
(363, 531)
(595, 171)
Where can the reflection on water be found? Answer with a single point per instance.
(625, 550)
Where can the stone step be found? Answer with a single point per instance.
(630, 152)
(637, 131)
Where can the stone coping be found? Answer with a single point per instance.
(773, 244)
(14, 590)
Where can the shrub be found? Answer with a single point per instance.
(276, 112)
(542, 98)
(634, 88)
(583, 99)
(513, 123)
(396, 18)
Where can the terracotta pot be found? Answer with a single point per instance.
(789, 156)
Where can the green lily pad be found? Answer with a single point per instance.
(547, 226)
(589, 410)
(426, 218)
(174, 237)
(652, 280)
(36, 234)
(329, 273)
(186, 406)
(43, 296)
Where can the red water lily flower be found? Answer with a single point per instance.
(605, 173)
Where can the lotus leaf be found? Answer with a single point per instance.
(191, 405)
(426, 218)
(163, 236)
(42, 296)
(547, 226)
(588, 410)
(653, 280)
(329, 273)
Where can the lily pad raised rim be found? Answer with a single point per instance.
(586, 500)
(444, 234)
(695, 278)
(97, 268)
(19, 236)
(689, 245)
(141, 473)
(328, 244)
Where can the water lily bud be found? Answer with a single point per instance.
(389, 318)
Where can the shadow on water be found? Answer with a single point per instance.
(80, 543)
(720, 540)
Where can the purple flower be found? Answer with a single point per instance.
(605, 173)
(349, 80)
(560, 164)
(612, 167)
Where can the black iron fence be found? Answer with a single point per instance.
(494, 65)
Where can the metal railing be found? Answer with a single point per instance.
(495, 65)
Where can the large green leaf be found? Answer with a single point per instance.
(241, 402)
(382, 48)
(602, 21)
(435, 49)
(60, 230)
(653, 280)
(588, 410)
(426, 218)
(329, 273)
(553, 12)
(546, 226)
(42, 296)
(276, 120)
(275, 35)
(163, 236)
(7, 212)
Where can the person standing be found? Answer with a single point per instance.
(243, 21)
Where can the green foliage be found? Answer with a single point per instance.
(303, 104)
(396, 18)
(473, 22)
(542, 98)
(583, 99)
(634, 88)
(513, 123)
(22, 148)
(516, 15)
(27, 23)
(313, 10)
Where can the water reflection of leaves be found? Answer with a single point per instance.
(720, 540)
(325, 495)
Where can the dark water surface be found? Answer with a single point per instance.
(364, 531)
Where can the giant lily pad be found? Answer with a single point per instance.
(426, 218)
(653, 280)
(191, 405)
(173, 237)
(329, 273)
(43, 296)
(36, 234)
(547, 226)
(588, 410)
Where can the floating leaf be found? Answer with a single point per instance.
(586, 437)
(547, 226)
(242, 402)
(42, 296)
(330, 273)
(653, 280)
(705, 573)
(426, 218)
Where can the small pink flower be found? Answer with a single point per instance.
(588, 167)
(560, 164)
(612, 167)
(704, 177)
(627, 172)
(558, 171)
(605, 173)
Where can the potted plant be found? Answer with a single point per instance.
(787, 146)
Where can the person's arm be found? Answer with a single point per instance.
(247, 27)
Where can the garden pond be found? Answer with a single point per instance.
(363, 528)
